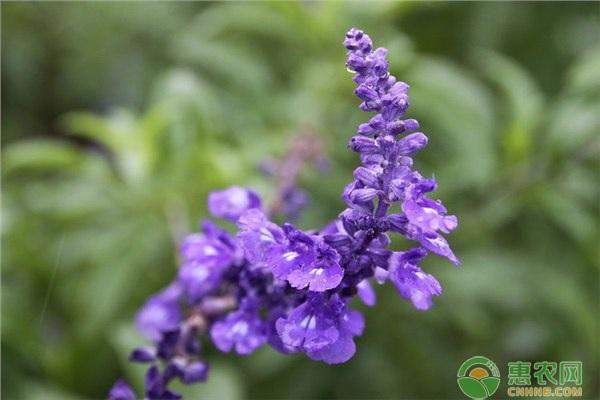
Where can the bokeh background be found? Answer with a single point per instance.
(118, 118)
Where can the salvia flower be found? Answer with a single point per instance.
(232, 202)
(289, 288)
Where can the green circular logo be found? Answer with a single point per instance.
(478, 377)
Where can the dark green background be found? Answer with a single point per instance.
(118, 118)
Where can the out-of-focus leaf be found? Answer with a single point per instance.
(584, 76)
(232, 64)
(568, 213)
(40, 391)
(84, 198)
(132, 141)
(98, 129)
(455, 111)
(43, 155)
(575, 119)
(574, 122)
(245, 18)
(524, 101)
(182, 92)
(579, 182)
(102, 290)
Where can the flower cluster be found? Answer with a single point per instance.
(289, 288)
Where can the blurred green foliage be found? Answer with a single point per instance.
(118, 118)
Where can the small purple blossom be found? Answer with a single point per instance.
(310, 326)
(291, 288)
(350, 323)
(366, 293)
(308, 262)
(410, 280)
(259, 238)
(160, 313)
(206, 257)
(156, 388)
(242, 330)
(231, 203)
(121, 391)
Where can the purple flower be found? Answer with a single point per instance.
(187, 371)
(242, 330)
(194, 372)
(366, 293)
(160, 313)
(199, 280)
(304, 260)
(232, 202)
(410, 280)
(259, 238)
(323, 329)
(155, 386)
(206, 250)
(294, 201)
(310, 326)
(428, 215)
(350, 323)
(387, 175)
(308, 262)
(142, 355)
(206, 257)
(288, 287)
(121, 391)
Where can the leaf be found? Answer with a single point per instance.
(96, 128)
(42, 155)
(234, 65)
(45, 391)
(584, 75)
(104, 289)
(455, 111)
(575, 120)
(245, 18)
(566, 211)
(132, 141)
(523, 97)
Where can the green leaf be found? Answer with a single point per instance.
(575, 120)
(584, 76)
(524, 101)
(245, 18)
(455, 111)
(568, 213)
(522, 94)
(234, 65)
(42, 155)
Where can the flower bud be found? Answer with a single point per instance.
(363, 145)
(367, 176)
(412, 143)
